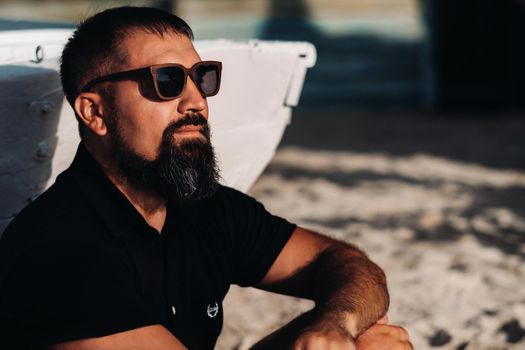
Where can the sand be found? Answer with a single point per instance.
(438, 202)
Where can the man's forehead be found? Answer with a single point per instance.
(144, 49)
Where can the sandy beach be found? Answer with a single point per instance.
(437, 201)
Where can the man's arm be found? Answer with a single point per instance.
(154, 337)
(346, 286)
(87, 293)
(349, 290)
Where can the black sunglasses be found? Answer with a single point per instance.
(169, 79)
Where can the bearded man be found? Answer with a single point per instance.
(136, 243)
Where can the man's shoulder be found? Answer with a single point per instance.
(54, 214)
(59, 224)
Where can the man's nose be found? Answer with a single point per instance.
(191, 99)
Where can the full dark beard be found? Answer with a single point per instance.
(185, 171)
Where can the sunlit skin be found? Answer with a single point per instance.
(142, 119)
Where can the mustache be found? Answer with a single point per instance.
(189, 119)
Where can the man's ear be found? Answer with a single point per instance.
(90, 110)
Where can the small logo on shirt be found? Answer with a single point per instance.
(213, 310)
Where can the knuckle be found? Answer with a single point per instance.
(398, 332)
(403, 333)
(313, 342)
(407, 345)
(297, 345)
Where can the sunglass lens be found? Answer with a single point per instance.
(207, 79)
(170, 81)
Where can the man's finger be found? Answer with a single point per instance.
(402, 334)
(383, 320)
(408, 345)
(384, 339)
(399, 332)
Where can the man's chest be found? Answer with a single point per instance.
(182, 279)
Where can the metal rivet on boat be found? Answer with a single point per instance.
(39, 54)
(46, 107)
(31, 199)
(42, 151)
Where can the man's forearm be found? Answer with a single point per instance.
(350, 294)
(349, 289)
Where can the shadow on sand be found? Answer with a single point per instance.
(494, 145)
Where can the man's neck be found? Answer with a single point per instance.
(151, 206)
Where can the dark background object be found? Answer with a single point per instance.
(354, 71)
(478, 54)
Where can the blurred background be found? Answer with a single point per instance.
(373, 54)
(408, 141)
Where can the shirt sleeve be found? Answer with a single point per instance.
(258, 237)
(64, 290)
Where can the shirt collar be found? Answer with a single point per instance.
(114, 208)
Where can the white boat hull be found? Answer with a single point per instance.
(261, 82)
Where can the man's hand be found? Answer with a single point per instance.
(382, 336)
(324, 335)
(310, 331)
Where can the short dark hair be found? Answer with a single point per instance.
(93, 49)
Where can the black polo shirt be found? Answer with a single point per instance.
(81, 262)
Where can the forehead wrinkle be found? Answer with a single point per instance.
(159, 50)
(122, 59)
